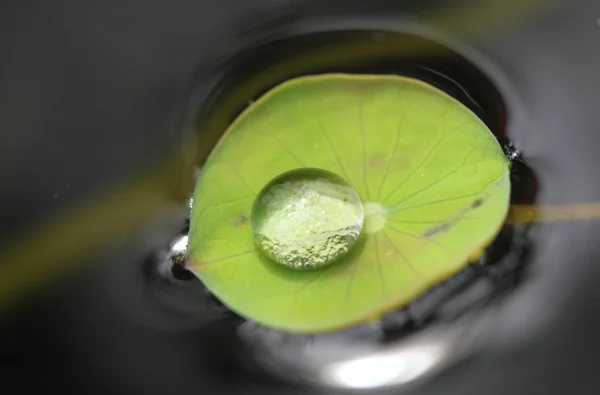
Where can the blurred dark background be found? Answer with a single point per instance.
(97, 151)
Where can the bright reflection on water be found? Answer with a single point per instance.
(384, 370)
(180, 245)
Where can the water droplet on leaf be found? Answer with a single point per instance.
(306, 218)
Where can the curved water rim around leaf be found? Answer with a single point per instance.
(433, 180)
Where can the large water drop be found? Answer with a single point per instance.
(306, 218)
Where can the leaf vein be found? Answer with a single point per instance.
(427, 157)
(396, 142)
(448, 199)
(333, 150)
(462, 166)
(404, 258)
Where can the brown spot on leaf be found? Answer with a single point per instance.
(240, 221)
(438, 229)
(402, 161)
(195, 263)
(377, 162)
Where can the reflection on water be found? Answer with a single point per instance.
(383, 370)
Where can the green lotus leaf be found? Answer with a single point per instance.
(432, 179)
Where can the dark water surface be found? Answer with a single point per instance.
(92, 96)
